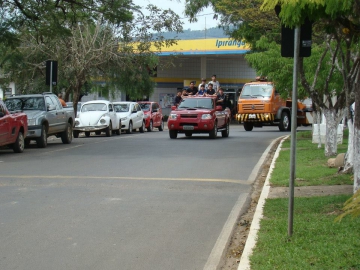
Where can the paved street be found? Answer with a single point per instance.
(135, 201)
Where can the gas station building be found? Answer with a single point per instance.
(202, 58)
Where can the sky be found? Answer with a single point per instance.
(179, 6)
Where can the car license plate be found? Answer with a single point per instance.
(252, 116)
(188, 127)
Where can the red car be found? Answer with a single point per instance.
(13, 129)
(152, 114)
(199, 115)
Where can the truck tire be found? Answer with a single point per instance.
(42, 141)
(109, 130)
(284, 124)
(161, 127)
(142, 128)
(248, 126)
(151, 126)
(173, 134)
(66, 136)
(225, 133)
(76, 134)
(19, 144)
(213, 132)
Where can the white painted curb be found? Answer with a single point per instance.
(255, 224)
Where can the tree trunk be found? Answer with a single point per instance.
(331, 132)
(318, 119)
(349, 157)
(357, 142)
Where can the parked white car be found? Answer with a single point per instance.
(131, 116)
(97, 116)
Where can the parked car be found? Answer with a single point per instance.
(97, 116)
(13, 129)
(153, 115)
(131, 115)
(45, 115)
(199, 115)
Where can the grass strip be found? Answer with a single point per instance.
(317, 242)
(311, 164)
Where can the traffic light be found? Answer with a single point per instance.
(287, 38)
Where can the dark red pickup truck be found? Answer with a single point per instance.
(13, 129)
(199, 115)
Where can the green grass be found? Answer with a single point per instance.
(311, 164)
(317, 241)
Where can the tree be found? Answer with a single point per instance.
(120, 56)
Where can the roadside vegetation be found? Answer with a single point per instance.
(318, 241)
(311, 164)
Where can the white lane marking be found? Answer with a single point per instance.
(224, 237)
(123, 178)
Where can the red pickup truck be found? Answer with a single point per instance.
(13, 129)
(199, 115)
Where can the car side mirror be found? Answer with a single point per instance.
(218, 108)
(51, 107)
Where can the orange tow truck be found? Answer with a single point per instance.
(260, 104)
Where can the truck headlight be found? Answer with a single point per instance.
(206, 116)
(31, 122)
(102, 121)
(124, 118)
(77, 123)
(173, 116)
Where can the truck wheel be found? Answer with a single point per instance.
(142, 128)
(188, 134)
(66, 136)
(42, 141)
(284, 124)
(87, 133)
(151, 126)
(130, 130)
(109, 130)
(19, 144)
(161, 127)
(225, 133)
(173, 134)
(76, 134)
(248, 126)
(213, 132)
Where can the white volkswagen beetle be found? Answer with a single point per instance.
(131, 116)
(97, 116)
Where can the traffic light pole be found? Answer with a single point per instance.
(293, 130)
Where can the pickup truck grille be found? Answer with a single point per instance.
(253, 107)
(188, 115)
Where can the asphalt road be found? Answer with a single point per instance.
(135, 201)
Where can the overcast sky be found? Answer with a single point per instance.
(179, 7)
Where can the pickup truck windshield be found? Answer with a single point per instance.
(30, 103)
(257, 90)
(121, 107)
(201, 103)
(91, 107)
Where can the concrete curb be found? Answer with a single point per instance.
(255, 224)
